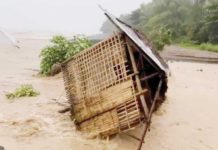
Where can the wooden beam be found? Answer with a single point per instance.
(138, 82)
(150, 76)
(132, 136)
(150, 114)
(138, 49)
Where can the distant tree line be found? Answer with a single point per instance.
(165, 21)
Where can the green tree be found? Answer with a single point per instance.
(211, 21)
(194, 20)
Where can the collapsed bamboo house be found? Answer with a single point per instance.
(115, 85)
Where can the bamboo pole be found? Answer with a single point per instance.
(138, 83)
(132, 136)
(150, 76)
(150, 114)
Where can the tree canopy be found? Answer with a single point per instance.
(164, 21)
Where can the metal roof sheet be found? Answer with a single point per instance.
(128, 30)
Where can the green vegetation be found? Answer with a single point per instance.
(60, 50)
(24, 90)
(202, 46)
(166, 21)
(209, 47)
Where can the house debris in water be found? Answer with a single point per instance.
(115, 85)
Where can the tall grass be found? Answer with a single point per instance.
(203, 46)
(209, 47)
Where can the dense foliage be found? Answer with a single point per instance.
(24, 90)
(164, 21)
(60, 50)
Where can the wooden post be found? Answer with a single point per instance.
(138, 83)
(150, 114)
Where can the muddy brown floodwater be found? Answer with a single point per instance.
(188, 120)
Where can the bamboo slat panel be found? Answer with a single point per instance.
(104, 100)
(104, 125)
(99, 67)
(120, 119)
(99, 86)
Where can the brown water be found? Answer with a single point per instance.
(187, 120)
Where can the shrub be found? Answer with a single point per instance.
(209, 47)
(60, 50)
(53, 54)
(24, 90)
(76, 45)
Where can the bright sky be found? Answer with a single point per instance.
(76, 16)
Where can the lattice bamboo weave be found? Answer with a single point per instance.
(100, 88)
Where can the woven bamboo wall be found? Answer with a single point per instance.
(100, 89)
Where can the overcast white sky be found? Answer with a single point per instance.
(76, 16)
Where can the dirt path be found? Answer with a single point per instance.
(187, 120)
